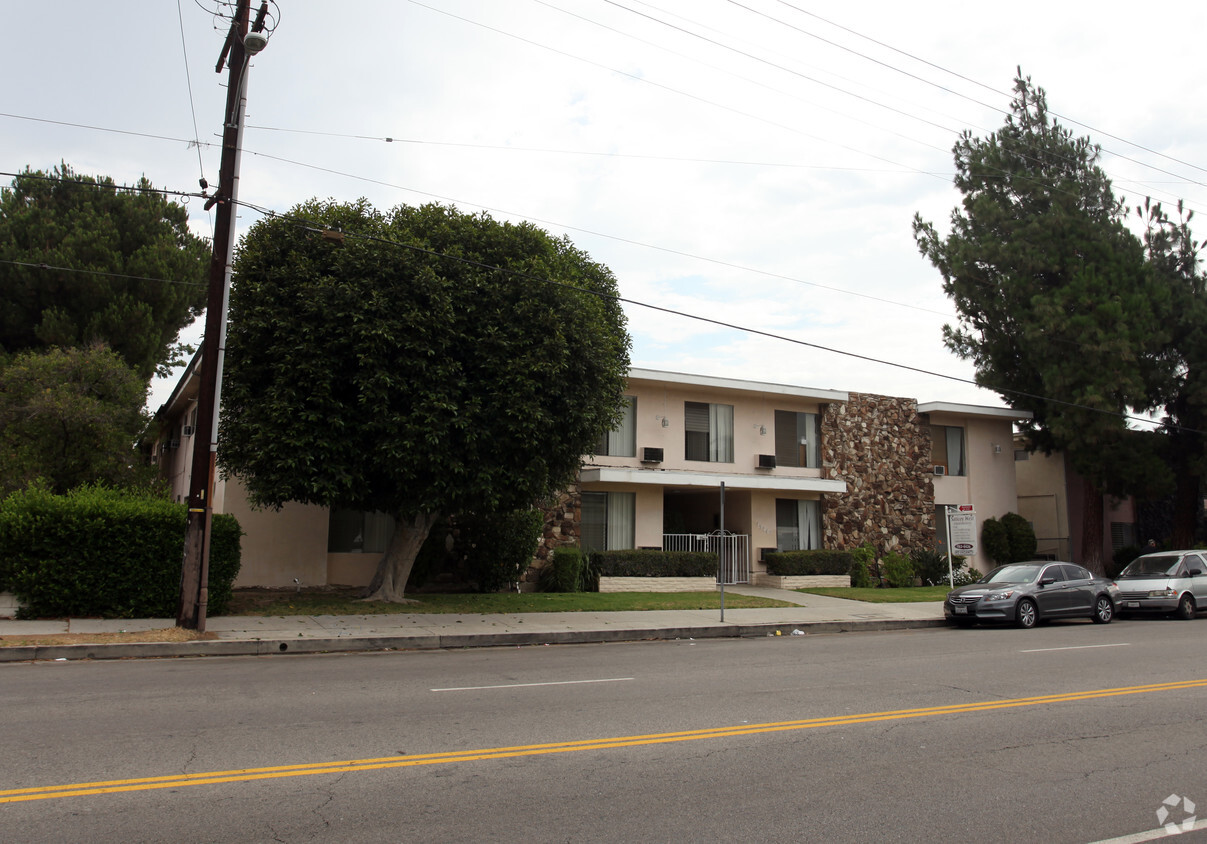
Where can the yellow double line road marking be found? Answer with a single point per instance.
(17, 795)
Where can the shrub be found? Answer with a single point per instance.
(930, 566)
(863, 566)
(996, 540)
(654, 563)
(898, 570)
(1021, 537)
(97, 551)
(565, 569)
(788, 563)
(1121, 558)
(963, 573)
(497, 548)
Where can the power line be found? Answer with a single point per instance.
(321, 229)
(50, 267)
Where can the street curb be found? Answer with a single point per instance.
(355, 644)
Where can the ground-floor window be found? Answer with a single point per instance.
(797, 524)
(608, 520)
(353, 532)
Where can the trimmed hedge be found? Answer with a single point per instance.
(497, 547)
(795, 563)
(641, 562)
(102, 552)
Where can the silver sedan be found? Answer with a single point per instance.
(1028, 593)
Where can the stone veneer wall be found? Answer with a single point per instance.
(880, 447)
(563, 519)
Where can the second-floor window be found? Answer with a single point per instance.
(797, 439)
(947, 448)
(621, 441)
(709, 432)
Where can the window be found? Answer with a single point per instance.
(709, 432)
(351, 531)
(1123, 534)
(621, 441)
(797, 524)
(947, 448)
(797, 439)
(608, 520)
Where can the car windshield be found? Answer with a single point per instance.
(1162, 565)
(1016, 573)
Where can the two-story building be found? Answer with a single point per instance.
(801, 468)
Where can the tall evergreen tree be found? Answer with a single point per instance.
(1056, 309)
(85, 261)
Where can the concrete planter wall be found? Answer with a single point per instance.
(801, 581)
(657, 584)
(8, 605)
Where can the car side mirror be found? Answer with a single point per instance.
(1195, 572)
(1047, 581)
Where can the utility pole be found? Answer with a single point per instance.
(194, 570)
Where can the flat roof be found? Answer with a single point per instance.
(974, 410)
(736, 384)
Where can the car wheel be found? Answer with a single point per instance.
(1104, 610)
(1186, 608)
(1026, 615)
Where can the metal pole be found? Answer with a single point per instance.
(194, 569)
(721, 561)
(951, 577)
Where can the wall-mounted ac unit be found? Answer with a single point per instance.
(173, 443)
(187, 431)
(766, 461)
(940, 470)
(651, 455)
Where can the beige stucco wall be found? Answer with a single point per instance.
(989, 484)
(1043, 501)
(753, 427)
(279, 545)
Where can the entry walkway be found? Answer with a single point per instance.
(259, 635)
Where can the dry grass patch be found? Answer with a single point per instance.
(169, 634)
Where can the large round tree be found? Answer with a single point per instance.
(422, 362)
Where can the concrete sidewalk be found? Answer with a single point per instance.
(258, 635)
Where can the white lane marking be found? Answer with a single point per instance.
(1076, 648)
(1147, 835)
(526, 685)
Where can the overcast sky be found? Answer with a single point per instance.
(757, 163)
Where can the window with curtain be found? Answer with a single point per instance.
(947, 448)
(621, 441)
(708, 432)
(353, 531)
(609, 520)
(797, 439)
(797, 524)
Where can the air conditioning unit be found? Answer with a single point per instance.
(766, 461)
(173, 443)
(187, 431)
(940, 470)
(651, 455)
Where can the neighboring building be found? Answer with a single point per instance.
(801, 468)
(1051, 496)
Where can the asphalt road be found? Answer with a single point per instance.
(1071, 732)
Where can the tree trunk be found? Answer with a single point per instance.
(1091, 527)
(390, 581)
(1186, 505)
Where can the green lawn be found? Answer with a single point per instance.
(882, 596)
(344, 602)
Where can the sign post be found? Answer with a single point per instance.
(961, 535)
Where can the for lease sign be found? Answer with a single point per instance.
(961, 528)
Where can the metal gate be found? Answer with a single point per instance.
(732, 548)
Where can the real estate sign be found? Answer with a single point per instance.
(961, 530)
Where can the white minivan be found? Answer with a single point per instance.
(1167, 582)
